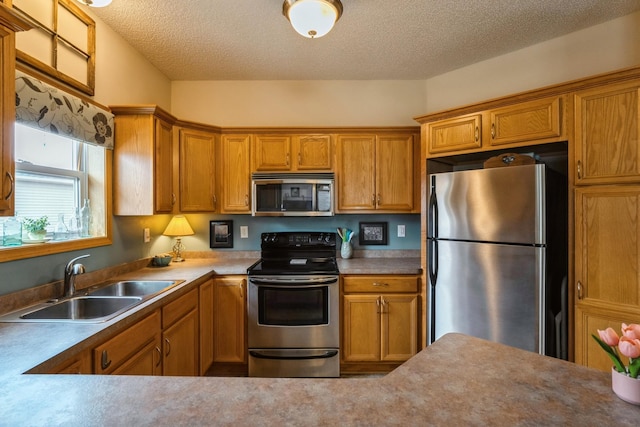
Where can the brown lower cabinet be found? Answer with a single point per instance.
(230, 319)
(380, 318)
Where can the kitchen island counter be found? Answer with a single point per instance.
(459, 380)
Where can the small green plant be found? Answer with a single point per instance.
(35, 225)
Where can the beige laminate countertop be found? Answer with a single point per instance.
(459, 380)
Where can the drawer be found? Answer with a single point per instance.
(178, 308)
(119, 348)
(380, 284)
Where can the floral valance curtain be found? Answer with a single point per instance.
(47, 108)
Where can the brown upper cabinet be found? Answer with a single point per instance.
(540, 120)
(9, 24)
(377, 173)
(143, 161)
(289, 153)
(235, 174)
(197, 174)
(607, 127)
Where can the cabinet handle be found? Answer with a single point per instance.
(493, 131)
(384, 303)
(378, 305)
(379, 200)
(215, 201)
(287, 159)
(246, 200)
(299, 159)
(10, 188)
(159, 356)
(477, 134)
(166, 340)
(373, 199)
(173, 199)
(242, 289)
(579, 169)
(579, 290)
(104, 360)
(380, 284)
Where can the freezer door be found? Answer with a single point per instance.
(489, 291)
(491, 205)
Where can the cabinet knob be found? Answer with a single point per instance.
(579, 290)
(10, 188)
(579, 167)
(104, 360)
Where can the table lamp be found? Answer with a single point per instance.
(178, 227)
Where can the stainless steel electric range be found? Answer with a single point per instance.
(293, 307)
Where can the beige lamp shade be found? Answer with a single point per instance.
(178, 226)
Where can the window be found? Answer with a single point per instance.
(50, 174)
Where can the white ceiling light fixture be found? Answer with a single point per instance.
(312, 18)
(96, 3)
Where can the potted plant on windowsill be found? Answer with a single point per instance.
(36, 228)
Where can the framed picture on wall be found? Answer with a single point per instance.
(221, 234)
(373, 233)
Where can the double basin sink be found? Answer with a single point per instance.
(97, 304)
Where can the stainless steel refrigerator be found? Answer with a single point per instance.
(497, 256)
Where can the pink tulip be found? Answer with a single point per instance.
(609, 336)
(629, 347)
(631, 331)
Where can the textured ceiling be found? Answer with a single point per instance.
(374, 39)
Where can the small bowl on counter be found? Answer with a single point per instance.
(161, 260)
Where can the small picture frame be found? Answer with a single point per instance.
(373, 233)
(295, 192)
(221, 234)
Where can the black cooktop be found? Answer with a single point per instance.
(296, 253)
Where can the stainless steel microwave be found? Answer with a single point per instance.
(292, 194)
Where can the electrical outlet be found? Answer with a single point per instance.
(244, 231)
(147, 235)
(401, 230)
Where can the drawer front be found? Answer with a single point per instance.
(119, 348)
(178, 308)
(380, 284)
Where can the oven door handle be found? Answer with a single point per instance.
(282, 355)
(293, 280)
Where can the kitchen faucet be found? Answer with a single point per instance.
(71, 270)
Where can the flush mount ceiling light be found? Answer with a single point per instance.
(312, 18)
(95, 3)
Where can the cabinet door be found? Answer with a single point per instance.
(147, 361)
(163, 169)
(608, 245)
(81, 364)
(272, 153)
(399, 327)
(356, 172)
(236, 174)
(313, 152)
(607, 126)
(197, 171)
(394, 172)
(205, 310)
(180, 346)
(588, 321)
(526, 121)
(230, 316)
(361, 327)
(460, 133)
(607, 262)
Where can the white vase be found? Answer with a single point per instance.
(625, 387)
(346, 251)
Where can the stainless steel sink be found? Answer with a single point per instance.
(139, 288)
(87, 309)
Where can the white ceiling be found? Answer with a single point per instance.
(374, 39)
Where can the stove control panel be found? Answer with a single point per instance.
(297, 239)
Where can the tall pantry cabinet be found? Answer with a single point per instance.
(607, 212)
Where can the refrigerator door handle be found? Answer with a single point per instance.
(433, 211)
(433, 277)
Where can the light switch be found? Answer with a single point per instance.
(244, 231)
(401, 230)
(147, 235)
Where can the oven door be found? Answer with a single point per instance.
(293, 312)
